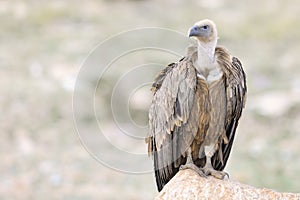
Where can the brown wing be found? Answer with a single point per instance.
(235, 83)
(174, 111)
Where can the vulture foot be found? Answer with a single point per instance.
(217, 174)
(193, 167)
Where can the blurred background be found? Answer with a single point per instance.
(43, 45)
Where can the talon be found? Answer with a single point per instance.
(182, 167)
(226, 176)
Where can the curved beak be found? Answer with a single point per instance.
(194, 31)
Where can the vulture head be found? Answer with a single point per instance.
(204, 31)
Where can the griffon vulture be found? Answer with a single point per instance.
(197, 103)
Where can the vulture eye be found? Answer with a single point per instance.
(205, 27)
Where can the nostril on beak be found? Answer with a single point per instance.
(195, 29)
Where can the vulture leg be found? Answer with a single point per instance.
(208, 168)
(190, 164)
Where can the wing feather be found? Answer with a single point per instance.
(236, 89)
(173, 119)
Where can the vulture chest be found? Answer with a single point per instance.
(216, 97)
